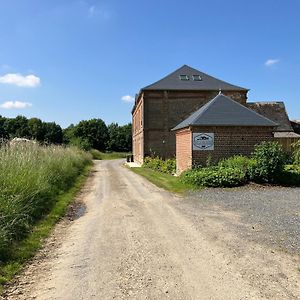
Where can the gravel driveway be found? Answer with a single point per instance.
(267, 214)
(136, 241)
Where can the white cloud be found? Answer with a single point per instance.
(271, 62)
(20, 80)
(96, 11)
(127, 98)
(15, 105)
(92, 10)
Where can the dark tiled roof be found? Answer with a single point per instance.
(207, 82)
(296, 125)
(223, 111)
(274, 111)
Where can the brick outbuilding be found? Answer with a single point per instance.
(160, 106)
(219, 129)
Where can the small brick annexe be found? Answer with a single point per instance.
(228, 141)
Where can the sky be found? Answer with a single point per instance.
(72, 60)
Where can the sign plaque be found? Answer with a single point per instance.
(203, 141)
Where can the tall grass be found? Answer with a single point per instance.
(31, 178)
(107, 155)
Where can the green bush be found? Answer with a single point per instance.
(215, 177)
(296, 152)
(165, 166)
(290, 176)
(31, 178)
(269, 162)
(80, 143)
(240, 162)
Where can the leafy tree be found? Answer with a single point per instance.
(53, 133)
(17, 127)
(94, 132)
(120, 137)
(3, 131)
(36, 129)
(68, 134)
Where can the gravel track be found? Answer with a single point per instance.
(267, 214)
(132, 240)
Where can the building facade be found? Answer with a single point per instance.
(220, 129)
(161, 106)
(164, 104)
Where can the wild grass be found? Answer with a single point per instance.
(107, 155)
(163, 180)
(26, 248)
(31, 179)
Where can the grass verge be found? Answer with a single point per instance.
(162, 180)
(26, 249)
(107, 155)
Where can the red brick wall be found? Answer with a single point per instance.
(138, 133)
(230, 141)
(183, 150)
(163, 110)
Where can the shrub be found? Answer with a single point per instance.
(296, 152)
(215, 177)
(269, 161)
(237, 162)
(96, 154)
(81, 143)
(290, 175)
(158, 164)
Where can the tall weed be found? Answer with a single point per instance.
(31, 177)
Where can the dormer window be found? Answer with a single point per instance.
(184, 77)
(197, 78)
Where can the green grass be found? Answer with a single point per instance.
(34, 180)
(24, 250)
(163, 180)
(107, 155)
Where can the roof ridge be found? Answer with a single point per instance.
(208, 82)
(207, 106)
(251, 110)
(165, 77)
(222, 115)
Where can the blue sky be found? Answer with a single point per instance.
(68, 60)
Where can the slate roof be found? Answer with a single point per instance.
(207, 82)
(223, 111)
(296, 125)
(274, 111)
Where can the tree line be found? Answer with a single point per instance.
(87, 134)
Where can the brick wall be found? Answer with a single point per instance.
(163, 110)
(183, 150)
(138, 133)
(230, 141)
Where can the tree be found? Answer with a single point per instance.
(120, 137)
(3, 131)
(17, 127)
(94, 132)
(53, 133)
(36, 129)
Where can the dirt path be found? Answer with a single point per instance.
(134, 242)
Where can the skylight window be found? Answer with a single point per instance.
(184, 77)
(197, 78)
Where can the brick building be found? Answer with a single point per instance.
(160, 106)
(219, 129)
(164, 104)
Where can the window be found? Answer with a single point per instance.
(197, 78)
(184, 77)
